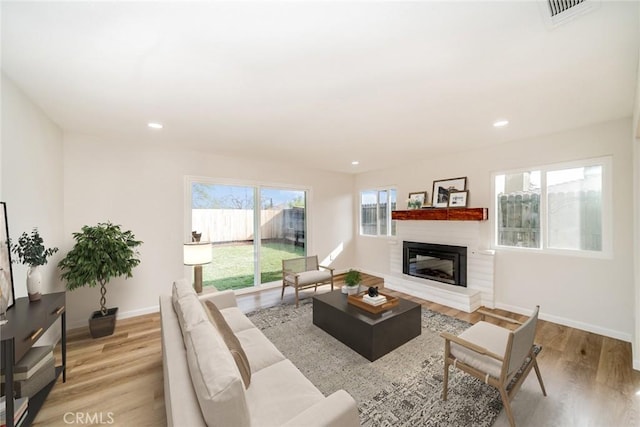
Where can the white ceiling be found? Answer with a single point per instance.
(321, 83)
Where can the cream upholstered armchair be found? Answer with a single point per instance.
(498, 356)
(305, 272)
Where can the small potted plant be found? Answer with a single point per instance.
(31, 251)
(101, 253)
(352, 281)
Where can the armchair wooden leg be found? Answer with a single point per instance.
(445, 380)
(507, 405)
(282, 296)
(296, 297)
(535, 366)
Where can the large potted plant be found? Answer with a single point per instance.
(31, 251)
(100, 254)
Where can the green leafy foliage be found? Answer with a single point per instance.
(30, 249)
(100, 253)
(352, 278)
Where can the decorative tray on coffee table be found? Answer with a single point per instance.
(375, 309)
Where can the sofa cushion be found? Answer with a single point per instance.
(215, 377)
(179, 289)
(278, 393)
(309, 277)
(190, 312)
(260, 351)
(231, 341)
(236, 319)
(492, 337)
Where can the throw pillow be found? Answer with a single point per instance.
(232, 342)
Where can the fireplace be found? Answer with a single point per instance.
(443, 263)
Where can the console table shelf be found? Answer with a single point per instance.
(27, 322)
(442, 214)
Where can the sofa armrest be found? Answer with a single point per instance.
(337, 409)
(222, 299)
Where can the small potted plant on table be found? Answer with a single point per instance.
(352, 281)
(31, 251)
(100, 254)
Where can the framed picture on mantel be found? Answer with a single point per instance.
(443, 187)
(458, 199)
(416, 200)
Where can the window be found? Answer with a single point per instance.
(559, 207)
(252, 228)
(375, 212)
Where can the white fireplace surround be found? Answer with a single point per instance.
(480, 264)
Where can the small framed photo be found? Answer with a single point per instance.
(416, 200)
(443, 187)
(458, 199)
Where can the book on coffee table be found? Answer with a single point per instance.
(377, 300)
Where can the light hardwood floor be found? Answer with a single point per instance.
(588, 377)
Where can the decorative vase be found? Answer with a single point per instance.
(34, 283)
(353, 290)
(344, 289)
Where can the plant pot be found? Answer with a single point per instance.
(34, 283)
(102, 326)
(353, 290)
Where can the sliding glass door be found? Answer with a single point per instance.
(252, 229)
(283, 229)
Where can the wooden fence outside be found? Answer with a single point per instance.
(369, 219)
(232, 225)
(571, 214)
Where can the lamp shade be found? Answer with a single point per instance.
(197, 253)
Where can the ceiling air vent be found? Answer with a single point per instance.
(560, 11)
(560, 6)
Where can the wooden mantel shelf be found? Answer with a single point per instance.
(443, 214)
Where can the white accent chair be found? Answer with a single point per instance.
(498, 356)
(304, 272)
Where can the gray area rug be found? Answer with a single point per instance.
(402, 388)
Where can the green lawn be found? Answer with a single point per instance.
(232, 266)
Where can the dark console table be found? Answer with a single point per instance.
(27, 322)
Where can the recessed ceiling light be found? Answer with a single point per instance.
(153, 125)
(355, 163)
(500, 123)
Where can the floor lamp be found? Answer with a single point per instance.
(197, 254)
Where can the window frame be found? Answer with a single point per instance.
(389, 223)
(606, 163)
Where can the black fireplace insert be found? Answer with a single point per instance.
(443, 263)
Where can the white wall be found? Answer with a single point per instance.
(31, 180)
(591, 294)
(31, 176)
(142, 187)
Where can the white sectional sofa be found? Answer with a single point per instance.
(203, 384)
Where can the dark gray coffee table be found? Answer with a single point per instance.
(371, 335)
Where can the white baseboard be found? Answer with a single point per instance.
(571, 323)
(121, 315)
(551, 318)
